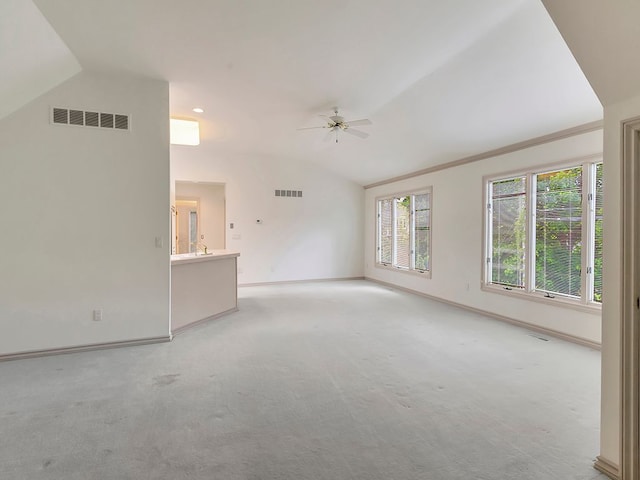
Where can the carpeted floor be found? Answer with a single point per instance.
(335, 380)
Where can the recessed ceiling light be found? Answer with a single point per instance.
(198, 110)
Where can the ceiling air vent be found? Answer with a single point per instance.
(80, 118)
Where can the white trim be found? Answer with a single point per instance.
(83, 348)
(545, 167)
(610, 469)
(310, 280)
(183, 328)
(410, 271)
(529, 326)
(630, 331)
(514, 147)
(556, 300)
(588, 218)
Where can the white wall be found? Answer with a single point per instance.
(81, 208)
(614, 115)
(317, 236)
(457, 232)
(211, 210)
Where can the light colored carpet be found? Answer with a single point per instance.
(336, 380)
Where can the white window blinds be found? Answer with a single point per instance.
(543, 233)
(385, 229)
(559, 231)
(422, 225)
(404, 231)
(508, 232)
(597, 261)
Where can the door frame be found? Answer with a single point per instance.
(630, 333)
(183, 201)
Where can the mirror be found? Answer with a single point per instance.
(198, 217)
(187, 225)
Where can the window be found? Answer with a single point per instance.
(508, 231)
(544, 233)
(597, 261)
(404, 232)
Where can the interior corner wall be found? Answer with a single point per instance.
(318, 236)
(81, 209)
(457, 237)
(614, 116)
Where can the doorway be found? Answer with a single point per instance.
(187, 225)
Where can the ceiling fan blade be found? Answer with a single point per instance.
(363, 121)
(311, 128)
(328, 136)
(357, 133)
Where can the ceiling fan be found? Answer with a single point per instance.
(336, 123)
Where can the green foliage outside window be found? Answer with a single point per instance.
(509, 232)
(557, 232)
(597, 266)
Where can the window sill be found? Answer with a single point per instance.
(558, 301)
(418, 273)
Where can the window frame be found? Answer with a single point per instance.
(584, 302)
(425, 273)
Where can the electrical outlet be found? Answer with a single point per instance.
(97, 315)
(159, 242)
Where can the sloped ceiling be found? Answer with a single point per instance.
(604, 36)
(33, 59)
(440, 80)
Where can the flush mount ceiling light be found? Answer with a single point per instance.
(184, 132)
(198, 110)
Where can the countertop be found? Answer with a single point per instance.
(183, 258)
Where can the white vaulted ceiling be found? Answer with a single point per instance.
(33, 59)
(440, 80)
(605, 39)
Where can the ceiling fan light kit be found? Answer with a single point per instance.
(337, 123)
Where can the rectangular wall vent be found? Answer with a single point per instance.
(91, 119)
(106, 120)
(80, 118)
(289, 193)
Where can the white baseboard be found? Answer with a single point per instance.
(502, 318)
(83, 348)
(186, 327)
(608, 468)
(285, 282)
